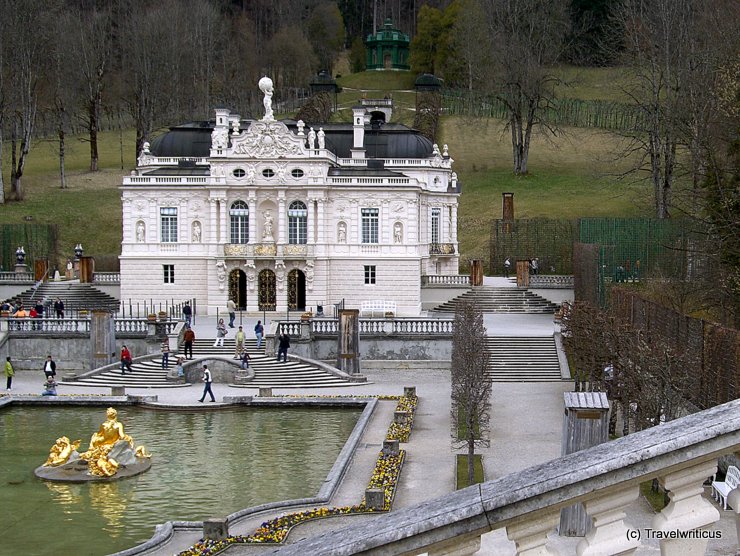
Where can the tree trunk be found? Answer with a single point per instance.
(2, 182)
(62, 176)
(93, 117)
(471, 445)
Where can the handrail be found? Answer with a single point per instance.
(544, 489)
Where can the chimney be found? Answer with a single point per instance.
(358, 143)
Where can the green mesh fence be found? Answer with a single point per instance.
(551, 241)
(37, 240)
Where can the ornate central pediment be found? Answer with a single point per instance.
(268, 140)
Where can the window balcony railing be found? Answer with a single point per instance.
(441, 248)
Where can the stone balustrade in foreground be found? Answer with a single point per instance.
(123, 326)
(681, 454)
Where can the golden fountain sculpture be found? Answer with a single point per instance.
(110, 449)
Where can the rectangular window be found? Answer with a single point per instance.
(168, 217)
(298, 225)
(369, 225)
(436, 214)
(369, 274)
(169, 273)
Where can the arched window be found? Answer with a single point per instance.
(297, 223)
(239, 214)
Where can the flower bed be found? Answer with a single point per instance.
(402, 431)
(385, 475)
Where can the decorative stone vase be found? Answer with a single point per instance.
(307, 315)
(162, 315)
(151, 317)
(389, 314)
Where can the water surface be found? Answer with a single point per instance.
(204, 464)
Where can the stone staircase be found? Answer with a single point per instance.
(268, 371)
(523, 359)
(76, 296)
(501, 300)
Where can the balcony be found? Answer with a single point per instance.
(441, 248)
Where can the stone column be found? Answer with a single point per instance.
(253, 219)
(212, 223)
(223, 222)
(348, 341)
(688, 510)
(281, 220)
(608, 533)
(530, 536)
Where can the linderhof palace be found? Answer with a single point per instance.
(282, 215)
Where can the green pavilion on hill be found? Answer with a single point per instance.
(388, 49)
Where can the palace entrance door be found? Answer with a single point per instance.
(266, 285)
(238, 288)
(296, 290)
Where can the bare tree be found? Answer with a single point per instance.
(526, 39)
(26, 36)
(471, 386)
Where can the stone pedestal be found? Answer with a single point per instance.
(265, 393)
(118, 390)
(216, 528)
(409, 391)
(21, 268)
(375, 498)
(391, 448)
(242, 376)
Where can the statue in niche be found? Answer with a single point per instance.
(342, 233)
(196, 232)
(308, 271)
(267, 230)
(140, 232)
(311, 139)
(265, 85)
(279, 274)
(251, 274)
(322, 138)
(397, 233)
(219, 138)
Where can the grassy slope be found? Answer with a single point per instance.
(570, 176)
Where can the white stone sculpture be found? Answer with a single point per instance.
(301, 125)
(397, 233)
(140, 232)
(267, 229)
(445, 151)
(322, 138)
(265, 85)
(342, 233)
(311, 139)
(196, 232)
(221, 274)
(219, 138)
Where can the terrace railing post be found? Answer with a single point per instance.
(688, 509)
(530, 536)
(608, 533)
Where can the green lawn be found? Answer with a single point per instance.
(462, 470)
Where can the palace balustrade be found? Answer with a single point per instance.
(10, 276)
(680, 454)
(107, 277)
(551, 281)
(80, 325)
(456, 280)
(380, 326)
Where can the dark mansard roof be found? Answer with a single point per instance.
(386, 141)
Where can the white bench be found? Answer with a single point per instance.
(721, 489)
(377, 307)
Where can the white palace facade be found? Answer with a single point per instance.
(282, 215)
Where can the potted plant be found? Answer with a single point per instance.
(389, 314)
(162, 315)
(307, 315)
(151, 317)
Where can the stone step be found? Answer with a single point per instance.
(523, 359)
(501, 300)
(267, 370)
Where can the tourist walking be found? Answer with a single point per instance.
(239, 346)
(125, 359)
(187, 313)
(9, 373)
(259, 331)
(507, 267)
(283, 345)
(221, 333)
(59, 308)
(231, 308)
(188, 337)
(50, 367)
(166, 353)
(207, 380)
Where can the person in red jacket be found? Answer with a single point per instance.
(125, 359)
